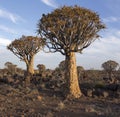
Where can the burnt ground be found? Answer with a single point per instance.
(34, 101)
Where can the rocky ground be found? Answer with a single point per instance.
(39, 101)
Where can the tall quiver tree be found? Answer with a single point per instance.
(68, 30)
(25, 49)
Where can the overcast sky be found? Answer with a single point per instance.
(20, 17)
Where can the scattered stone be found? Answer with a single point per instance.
(89, 93)
(42, 86)
(61, 106)
(34, 92)
(49, 114)
(90, 109)
(10, 80)
(39, 98)
(105, 94)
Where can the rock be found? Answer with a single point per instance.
(17, 82)
(105, 94)
(10, 80)
(49, 114)
(90, 109)
(34, 92)
(31, 110)
(39, 98)
(22, 116)
(42, 86)
(89, 93)
(61, 106)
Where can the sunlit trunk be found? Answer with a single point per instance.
(30, 70)
(72, 84)
(30, 66)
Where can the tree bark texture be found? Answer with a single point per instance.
(72, 84)
(30, 66)
(30, 70)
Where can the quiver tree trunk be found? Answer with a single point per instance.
(30, 66)
(72, 84)
(30, 70)
(111, 78)
(110, 75)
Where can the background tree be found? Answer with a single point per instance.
(68, 30)
(11, 68)
(41, 69)
(25, 49)
(62, 65)
(59, 72)
(110, 66)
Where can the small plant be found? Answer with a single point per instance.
(100, 85)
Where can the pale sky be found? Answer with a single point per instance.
(20, 17)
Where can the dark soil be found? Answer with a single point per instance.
(34, 101)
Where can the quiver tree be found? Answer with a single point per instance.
(110, 66)
(25, 49)
(68, 30)
(41, 69)
(11, 68)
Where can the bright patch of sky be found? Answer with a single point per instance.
(20, 17)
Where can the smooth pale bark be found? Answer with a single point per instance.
(72, 84)
(30, 70)
(30, 66)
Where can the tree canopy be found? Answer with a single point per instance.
(110, 66)
(26, 46)
(70, 29)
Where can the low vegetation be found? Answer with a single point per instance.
(44, 96)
